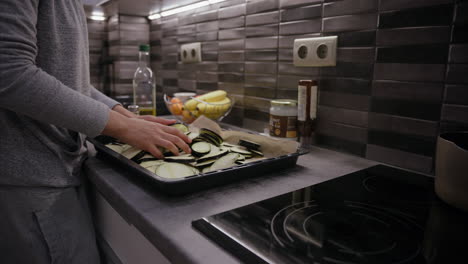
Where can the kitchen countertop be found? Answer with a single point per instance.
(166, 221)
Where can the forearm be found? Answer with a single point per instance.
(121, 110)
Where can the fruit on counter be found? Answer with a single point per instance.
(210, 97)
(176, 106)
(214, 108)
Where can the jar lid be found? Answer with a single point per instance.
(283, 102)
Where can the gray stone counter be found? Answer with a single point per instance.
(166, 221)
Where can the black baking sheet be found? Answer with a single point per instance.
(201, 181)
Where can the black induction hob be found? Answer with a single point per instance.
(377, 215)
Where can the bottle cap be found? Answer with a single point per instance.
(144, 47)
(283, 102)
(134, 109)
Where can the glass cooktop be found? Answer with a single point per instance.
(377, 215)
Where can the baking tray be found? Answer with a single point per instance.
(196, 182)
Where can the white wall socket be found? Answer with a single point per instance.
(315, 52)
(191, 53)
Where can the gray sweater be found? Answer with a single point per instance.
(47, 104)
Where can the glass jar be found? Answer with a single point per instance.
(283, 118)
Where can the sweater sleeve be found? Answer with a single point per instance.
(97, 95)
(28, 90)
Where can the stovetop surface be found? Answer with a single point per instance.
(377, 215)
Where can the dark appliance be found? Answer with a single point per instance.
(377, 215)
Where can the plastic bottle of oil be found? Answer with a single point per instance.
(144, 88)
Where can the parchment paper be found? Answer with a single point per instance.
(271, 147)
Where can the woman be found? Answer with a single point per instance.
(47, 107)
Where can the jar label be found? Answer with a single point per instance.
(302, 103)
(283, 126)
(313, 102)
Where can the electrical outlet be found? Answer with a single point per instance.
(315, 52)
(191, 53)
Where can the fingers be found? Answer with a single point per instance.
(157, 119)
(169, 146)
(176, 132)
(180, 143)
(155, 151)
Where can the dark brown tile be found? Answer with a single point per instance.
(459, 53)
(261, 43)
(256, 31)
(346, 85)
(355, 39)
(399, 158)
(457, 73)
(288, 41)
(261, 55)
(207, 26)
(231, 67)
(207, 36)
(402, 125)
(231, 56)
(289, 68)
(349, 7)
(234, 22)
(349, 69)
(301, 13)
(440, 15)
(414, 54)
(232, 11)
(409, 72)
(261, 67)
(412, 91)
(343, 116)
(231, 33)
(404, 4)
(406, 108)
(300, 27)
(455, 113)
(350, 23)
(456, 94)
(266, 81)
(237, 44)
(365, 55)
(231, 77)
(262, 18)
(351, 133)
(341, 144)
(292, 3)
(411, 36)
(254, 7)
(232, 88)
(347, 101)
(256, 91)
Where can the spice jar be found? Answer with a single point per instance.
(283, 118)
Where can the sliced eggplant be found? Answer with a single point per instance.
(249, 144)
(226, 161)
(151, 163)
(193, 135)
(225, 144)
(146, 159)
(214, 154)
(207, 169)
(241, 151)
(181, 127)
(132, 152)
(187, 158)
(256, 152)
(205, 163)
(241, 158)
(115, 147)
(211, 136)
(172, 170)
(200, 148)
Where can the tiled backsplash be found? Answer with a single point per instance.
(401, 76)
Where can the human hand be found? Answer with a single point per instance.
(159, 120)
(146, 135)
